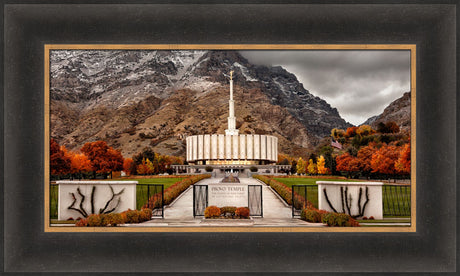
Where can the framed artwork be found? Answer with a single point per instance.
(33, 31)
(84, 82)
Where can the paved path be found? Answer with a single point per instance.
(275, 211)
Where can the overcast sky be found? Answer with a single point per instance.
(360, 84)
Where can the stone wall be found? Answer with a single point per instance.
(339, 194)
(102, 194)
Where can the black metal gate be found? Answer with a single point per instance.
(299, 199)
(153, 193)
(255, 203)
(200, 199)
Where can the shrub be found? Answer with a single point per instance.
(352, 222)
(132, 216)
(136, 216)
(253, 169)
(208, 168)
(242, 212)
(228, 211)
(112, 219)
(336, 219)
(146, 214)
(310, 215)
(95, 220)
(173, 191)
(212, 212)
(284, 191)
(81, 222)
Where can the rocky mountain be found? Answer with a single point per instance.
(137, 98)
(398, 111)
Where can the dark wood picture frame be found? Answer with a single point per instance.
(27, 28)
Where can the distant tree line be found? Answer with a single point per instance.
(363, 152)
(97, 159)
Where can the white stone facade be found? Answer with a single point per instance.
(102, 194)
(249, 147)
(335, 191)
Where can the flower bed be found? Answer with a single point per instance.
(226, 212)
(115, 219)
(173, 191)
(312, 214)
(284, 191)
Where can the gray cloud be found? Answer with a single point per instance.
(360, 84)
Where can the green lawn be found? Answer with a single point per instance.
(396, 200)
(167, 182)
(386, 220)
(54, 201)
(306, 181)
(141, 191)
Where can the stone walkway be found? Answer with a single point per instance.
(276, 213)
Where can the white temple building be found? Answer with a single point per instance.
(231, 151)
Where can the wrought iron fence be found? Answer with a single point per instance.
(396, 200)
(395, 197)
(146, 191)
(299, 199)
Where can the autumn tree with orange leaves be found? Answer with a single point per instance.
(402, 165)
(128, 166)
(104, 159)
(348, 163)
(383, 160)
(79, 163)
(351, 131)
(364, 158)
(59, 162)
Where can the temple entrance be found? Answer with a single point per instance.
(227, 194)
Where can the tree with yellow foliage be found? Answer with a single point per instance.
(312, 169)
(364, 130)
(321, 165)
(337, 133)
(301, 164)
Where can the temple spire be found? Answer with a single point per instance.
(231, 111)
